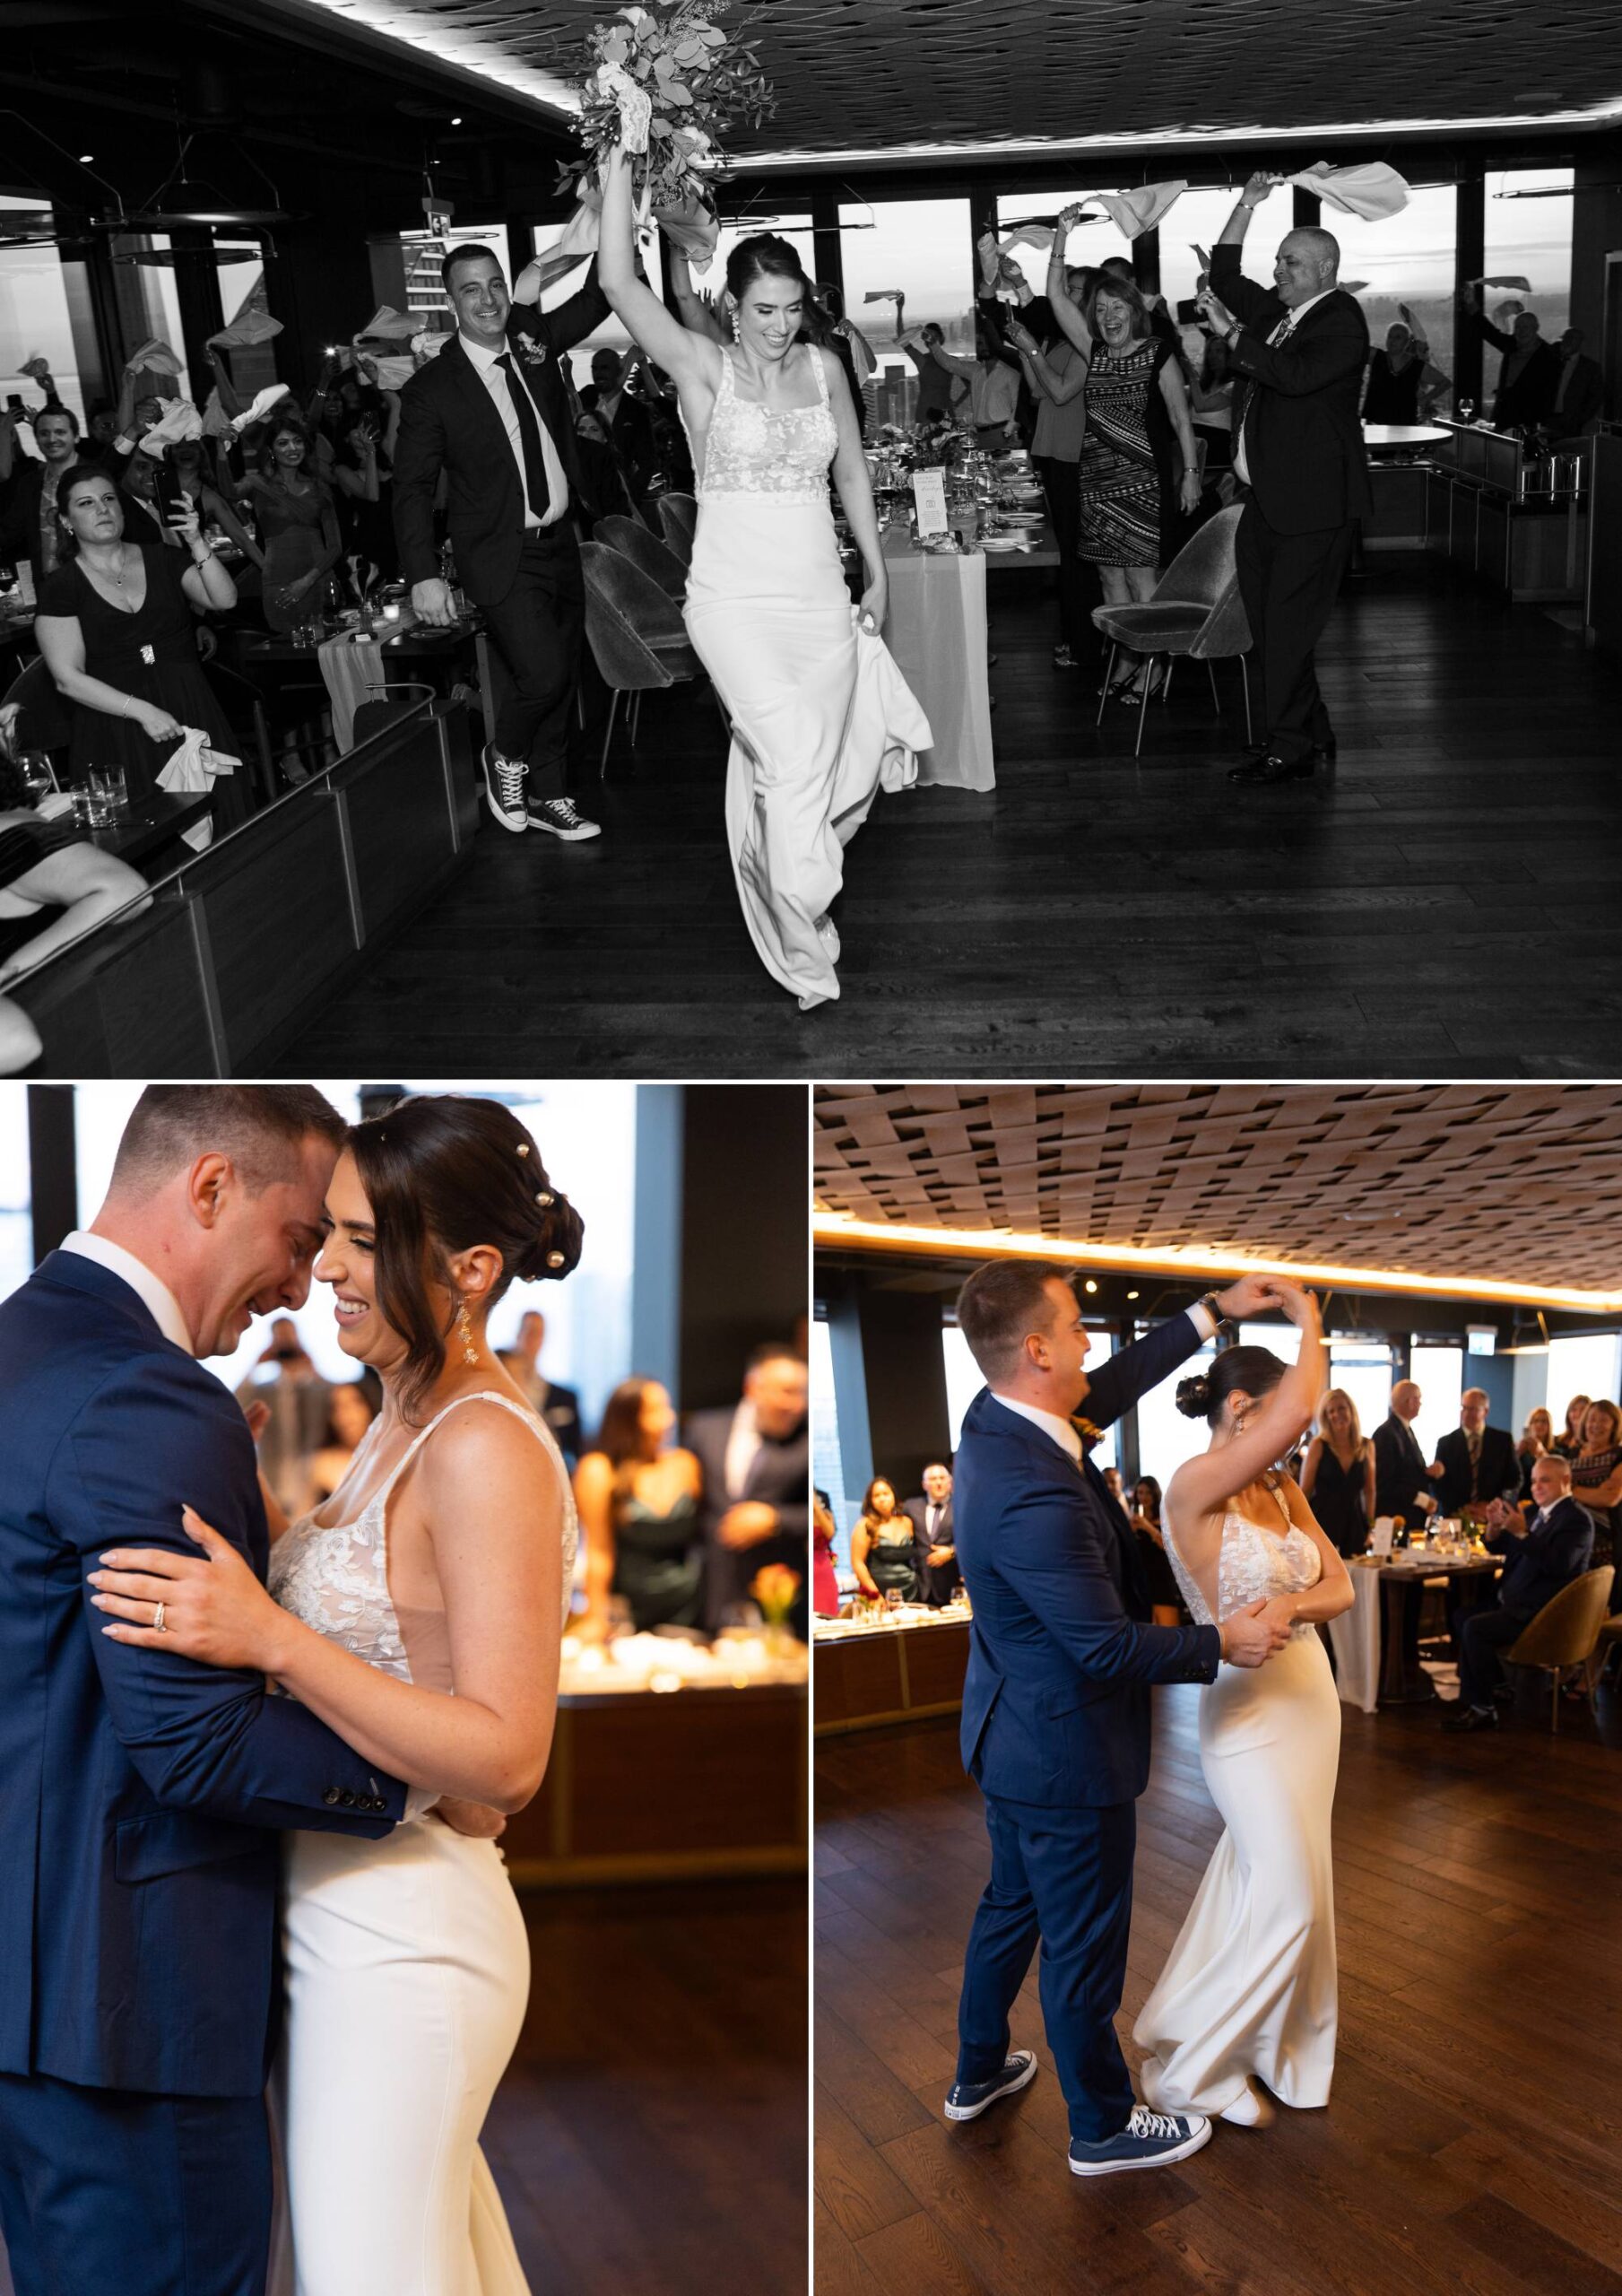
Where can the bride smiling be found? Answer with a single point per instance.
(419, 1612)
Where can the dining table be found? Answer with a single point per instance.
(1377, 1661)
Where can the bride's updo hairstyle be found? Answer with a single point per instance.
(443, 1172)
(764, 252)
(1255, 1371)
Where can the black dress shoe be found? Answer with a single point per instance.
(1472, 1718)
(1271, 769)
(1323, 753)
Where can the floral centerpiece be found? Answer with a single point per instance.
(773, 1588)
(700, 84)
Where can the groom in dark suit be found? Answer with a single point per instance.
(1298, 349)
(492, 413)
(1056, 1707)
(142, 1796)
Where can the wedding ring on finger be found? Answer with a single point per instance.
(158, 1625)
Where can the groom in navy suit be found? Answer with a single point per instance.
(142, 1796)
(1055, 1708)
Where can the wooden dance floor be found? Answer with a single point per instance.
(1473, 2137)
(1447, 906)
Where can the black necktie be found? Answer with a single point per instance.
(529, 432)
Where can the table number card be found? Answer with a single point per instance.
(929, 494)
(1380, 1543)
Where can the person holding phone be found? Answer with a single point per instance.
(116, 627)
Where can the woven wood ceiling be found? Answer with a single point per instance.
(1519, 1183)
(858, 73)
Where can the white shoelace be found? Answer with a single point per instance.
(1144, 2123)
(562, 809)
(509, 783)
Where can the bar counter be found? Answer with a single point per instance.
(907, 1666)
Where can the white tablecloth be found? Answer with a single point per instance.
(937, 634)
(1355, 1639)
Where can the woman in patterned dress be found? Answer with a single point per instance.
(1138, 430)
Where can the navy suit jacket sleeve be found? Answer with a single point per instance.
(1048, 1551)
(1136, 1368)
(153, 1437)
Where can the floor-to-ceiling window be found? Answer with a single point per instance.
(1404, 258)
(1527, 236)
(35, 322)
(1587, 1364)
(921, 248)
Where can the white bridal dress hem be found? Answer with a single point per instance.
(1249, 1989)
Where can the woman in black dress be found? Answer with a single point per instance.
(881, 1546)
(1339, 1474)
(1163, 1591)
(116, 627)
(639, 1498)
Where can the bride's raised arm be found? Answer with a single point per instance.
(1206, 1482)
(688, 356)
(495, 1505)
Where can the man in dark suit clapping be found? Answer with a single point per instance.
(492, 413)
(756, 1463)
(1298, 350)
(1475, 1462)
(1542, 1555)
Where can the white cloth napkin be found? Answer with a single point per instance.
(180, 422)
(155, 358)
(1370, 190)
(245, 329)
(353, 670)
(1132, 212)
(389, 325)
(191, 770)
(262, 403)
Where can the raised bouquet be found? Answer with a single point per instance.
(698, 83)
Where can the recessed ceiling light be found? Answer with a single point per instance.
(1090, 1285)
(457, 121)
(1131, 1295)
(86, 157)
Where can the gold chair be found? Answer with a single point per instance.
(1611, 1634)
(1564, 1632)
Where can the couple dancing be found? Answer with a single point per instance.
(1056, 1722)
(164, 1812)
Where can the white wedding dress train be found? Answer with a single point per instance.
(1249, 1989)
(822, 717)
(407, 1977)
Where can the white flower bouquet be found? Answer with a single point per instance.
(669, 83)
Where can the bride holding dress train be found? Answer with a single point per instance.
(822, 717)
(1248, 1993)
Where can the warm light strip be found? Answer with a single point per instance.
(469, 51)
(1195, 1260)
(1168, 138)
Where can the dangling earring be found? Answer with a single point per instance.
(735, 335)
(469, 1353)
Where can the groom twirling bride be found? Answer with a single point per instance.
(1055, 1710)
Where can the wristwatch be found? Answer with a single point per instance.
(1208, 1300)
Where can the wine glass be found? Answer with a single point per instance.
(38, 779)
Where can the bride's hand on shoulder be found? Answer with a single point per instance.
(214, 1609)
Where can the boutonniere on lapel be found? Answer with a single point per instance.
(531, 354)
(1091, 1436)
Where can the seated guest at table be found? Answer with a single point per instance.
(1338, 1475)
(549, 1400)
(1400, 382)
(1596, 1477)
(1139, 468)
(298, 523)
(1474, 1462)
(32, 499)
(882, 1546)
(1568, 1442)
(1145, 1518)
(1537, 1442)
(47, 864)
(1579, 392)
(639, 1495)
(756, 1460)
(115, 626)
(825, 1578)
(1543, 1555)
(935, 1552)
(1528, 375)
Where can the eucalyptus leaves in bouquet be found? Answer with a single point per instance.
(699, 83)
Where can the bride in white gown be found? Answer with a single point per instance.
(420, 1612)
(822, 717)
(1248, 1994)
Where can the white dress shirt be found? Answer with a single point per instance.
(743, 1448)
(494, 379)
(151, 1289)
(1061, 1430)
(1281, 332)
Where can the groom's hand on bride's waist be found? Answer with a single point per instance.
(1251, 1636)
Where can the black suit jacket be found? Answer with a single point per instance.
(936, 1579)
(1584, 397)
(1531, 396)
(1303, 431)
(449, 423)
(780, 1476)
(560, 1409)
(1400, 1467)
(20, 516)
(1539, 1565)
(1497, 1470)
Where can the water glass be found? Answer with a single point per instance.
(110, 793)
(83, 815)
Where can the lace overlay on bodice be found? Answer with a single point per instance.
(1253, 1566)
(767, 450)
(335, 1576)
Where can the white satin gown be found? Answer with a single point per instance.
(1250, 1986)
(822, 717)
(407, 1976)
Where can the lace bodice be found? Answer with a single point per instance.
(335, 1576)
(1252, 1565)
(767, 450)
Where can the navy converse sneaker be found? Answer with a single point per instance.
(969, 2099)
(504, 787)
(1148, 2141)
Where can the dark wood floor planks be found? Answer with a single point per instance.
(1474, 2137)
(1446, 905)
